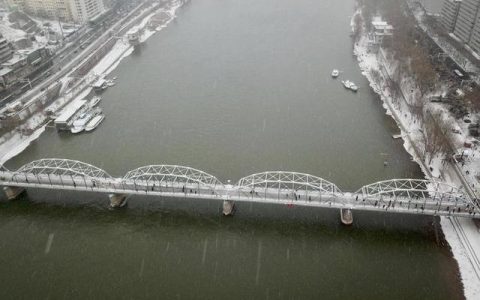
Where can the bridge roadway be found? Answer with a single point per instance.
(408, 196)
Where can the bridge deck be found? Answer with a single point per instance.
(414, 203)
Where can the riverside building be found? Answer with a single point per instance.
(79, 11)
(461, 18)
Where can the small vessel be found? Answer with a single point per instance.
(76, 129)
(101, 84)
(350, 85)
(94, 122)
(79, 123)
(335, 73)
(95, 100)
(347, 84)
(110, 83)
(353, 87)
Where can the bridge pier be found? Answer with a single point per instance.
(117, 200)
(12, 192)
(228, 207)
(346, 216)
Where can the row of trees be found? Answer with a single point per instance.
(409, 48)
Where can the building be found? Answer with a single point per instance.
(381, 30)
(461, 18)
(449, 13)
(21, 65)
(6, 50)
(85, 10)
(466, 18)
(380, 34)
(79, 11)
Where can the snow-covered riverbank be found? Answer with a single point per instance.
(462, 235)
(17, 142)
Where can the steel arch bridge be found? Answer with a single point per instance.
(292, 181)
(173, 174)
(62, 167)
(409, 196)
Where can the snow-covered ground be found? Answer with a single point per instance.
(461, 234)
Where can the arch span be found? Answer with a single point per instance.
(173, 174)
(289, 181)
(413, 189)
(56, 166)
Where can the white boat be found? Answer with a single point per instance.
(76, 129)
(79, 123)
(94, 122)
(335, 73)
(350, 85)
(95, 100)
(347, 84)
(110, 83)
(101, 84)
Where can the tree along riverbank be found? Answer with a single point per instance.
(406, 80)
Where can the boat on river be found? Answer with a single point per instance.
(335, 73)
(94, 122)
(94, 102)
(79, 123)
(350, 85)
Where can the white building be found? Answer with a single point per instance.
(79, 11)
(84, 10)
(381, 29)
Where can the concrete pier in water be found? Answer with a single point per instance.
(117, 200)
(13, 192)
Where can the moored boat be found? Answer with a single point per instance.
(77, 129)
(95, 100)
(350, 85)
(79, 123)
(346, 84)
(353, 87)
(94, 122)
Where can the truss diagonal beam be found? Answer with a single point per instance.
(288, 181)
(67, 167)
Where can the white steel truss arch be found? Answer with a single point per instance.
(414, 189)
(173, 174)
(62, 167)
(289, 181)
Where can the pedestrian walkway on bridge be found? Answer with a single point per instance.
(410, 196)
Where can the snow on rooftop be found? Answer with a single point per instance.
(70, 110)
(11, 34)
